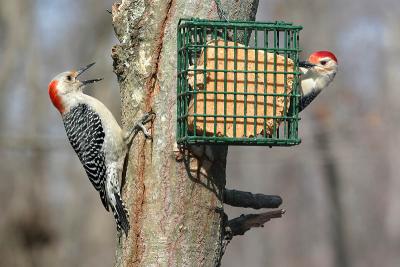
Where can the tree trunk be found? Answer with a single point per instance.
(174, 200)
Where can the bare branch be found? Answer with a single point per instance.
(244, 199)
(243, 223)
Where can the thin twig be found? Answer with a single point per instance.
(243, 223)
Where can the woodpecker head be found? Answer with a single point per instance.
(321, 68)
(65, 85)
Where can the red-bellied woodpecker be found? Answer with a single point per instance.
(317, 73)
(99, 142)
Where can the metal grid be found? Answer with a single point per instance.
(194, 38)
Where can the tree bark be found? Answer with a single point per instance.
(174, 199)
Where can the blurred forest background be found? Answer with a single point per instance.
(340, 187)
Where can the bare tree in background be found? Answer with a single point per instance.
(175, 199)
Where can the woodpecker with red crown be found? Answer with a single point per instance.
(316, 74)
(96, 137)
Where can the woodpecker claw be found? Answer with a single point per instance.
(147, 134)
(140, 127)
(144, 120)
(149, 116)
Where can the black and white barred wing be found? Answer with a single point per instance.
(86, 135)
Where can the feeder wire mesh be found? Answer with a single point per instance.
(237, 83)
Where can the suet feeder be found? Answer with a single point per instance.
(238, 83)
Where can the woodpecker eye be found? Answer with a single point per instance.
(69, 78)
(323, 62)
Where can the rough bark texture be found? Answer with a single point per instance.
(173, 198)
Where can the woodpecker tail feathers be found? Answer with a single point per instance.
(120, 214)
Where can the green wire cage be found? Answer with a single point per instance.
(237, 83)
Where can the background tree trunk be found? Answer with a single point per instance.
(173, 198)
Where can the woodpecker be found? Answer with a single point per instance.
(316, 74)
(96, 137)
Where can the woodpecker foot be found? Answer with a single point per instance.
(149, 116)
(142, 128)
(144, 120)
(139, 126)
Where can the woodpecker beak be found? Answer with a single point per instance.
(82, 70)
(306, 64)
(91, 81)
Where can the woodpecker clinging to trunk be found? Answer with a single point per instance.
(317, 73)
(99, 142)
